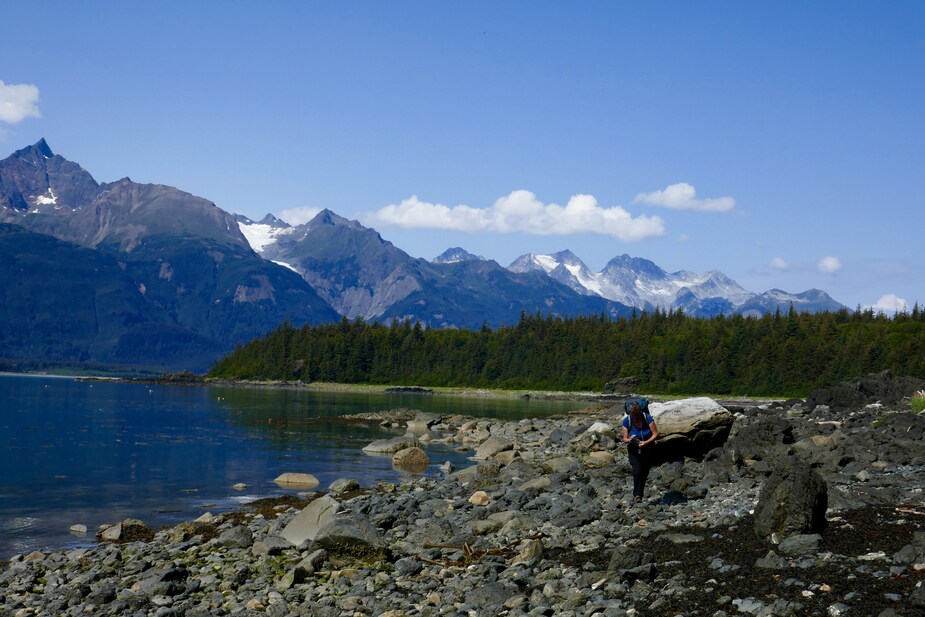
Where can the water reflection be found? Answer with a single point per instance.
(76, 452)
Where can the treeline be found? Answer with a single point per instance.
(668, 352)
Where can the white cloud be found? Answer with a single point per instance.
(683, 196)
(298, 216)
(522, 212)
(890, 303)
(18, 102)
(778, 264)
(829, 264)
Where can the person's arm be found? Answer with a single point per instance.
(626, 435)
(654, 430)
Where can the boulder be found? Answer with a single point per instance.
(270, 545)
(757, 439)
(296, 480)
(600, 427)
(792, 501)
(490, 447)
(631, 564)
(410, 459)
(129, 530)
(561, 464)
(343, 485)
(599, 458)
(690, 427)
(307, 523)
(391, 445)
(239, 536)
(800, 544)
(351, 536)
(530, 553)
(558, 437)
(422, 422)
(183, 532)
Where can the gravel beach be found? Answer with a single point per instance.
(542, 523)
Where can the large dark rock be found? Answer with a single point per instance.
(631, 564)
(792, 501)
(758, 439)
(882, 387)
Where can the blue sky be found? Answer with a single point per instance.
(782, 143)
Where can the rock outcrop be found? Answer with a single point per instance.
(792, 501)
(882, 387)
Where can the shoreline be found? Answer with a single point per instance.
(590, 396)
(541, 523)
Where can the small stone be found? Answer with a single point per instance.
(344, 485)
(254, 605)
(480, 498)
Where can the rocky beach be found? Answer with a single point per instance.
(809, 506)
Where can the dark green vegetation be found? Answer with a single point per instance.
(777, 354)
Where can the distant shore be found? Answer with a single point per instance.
(189, 379)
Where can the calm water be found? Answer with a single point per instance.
(75, 452)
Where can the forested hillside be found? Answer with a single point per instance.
(777, 354)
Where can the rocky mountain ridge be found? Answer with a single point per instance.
(626, 281)
(129, 274)
(362, 275)
(638, 282)
(196, 280)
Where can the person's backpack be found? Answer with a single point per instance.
(643, 405)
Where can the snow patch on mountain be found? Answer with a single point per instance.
(285, 265)
(263, 234)
(48, 199)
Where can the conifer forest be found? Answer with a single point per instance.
(779, 354)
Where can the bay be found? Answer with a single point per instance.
(91, 453)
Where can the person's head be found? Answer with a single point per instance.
(636, 412)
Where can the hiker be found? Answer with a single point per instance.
(639, 433)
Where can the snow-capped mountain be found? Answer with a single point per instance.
(455, 255)
(640, 283)
(362, 275)
(625, 280)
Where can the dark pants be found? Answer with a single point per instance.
(641, 463)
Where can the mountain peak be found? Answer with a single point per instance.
(328, 217)
(272, 221)
(38, 150)
(42, 147)
(332, 219)
(456, 255)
